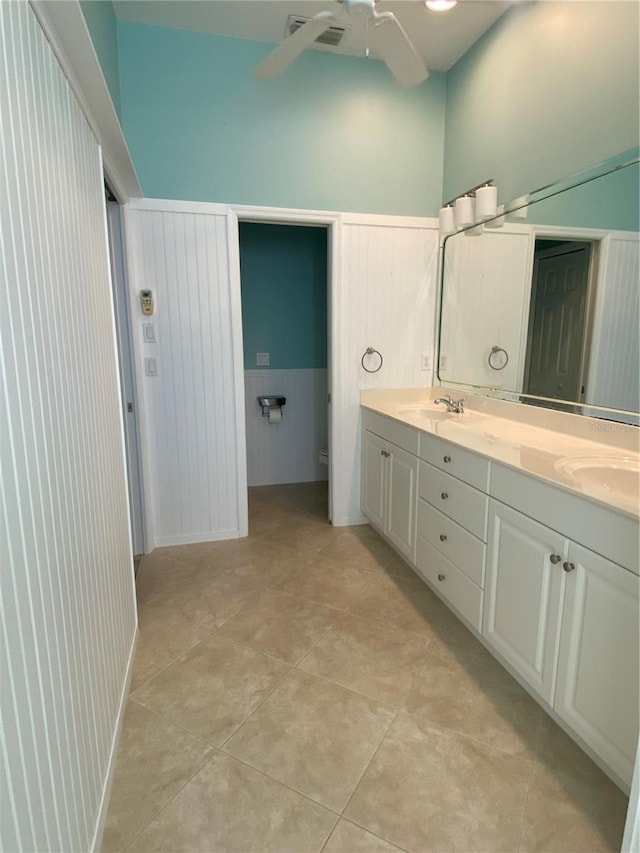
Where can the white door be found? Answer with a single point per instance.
(374, 478)
(556, 337)
(127, 374)
(402, 500)
(597, 687)
(523, 594)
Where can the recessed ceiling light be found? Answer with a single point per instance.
(440, 5)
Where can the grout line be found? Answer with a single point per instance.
(170, 800)
(524, 809)
(362, 775)
(377, 835)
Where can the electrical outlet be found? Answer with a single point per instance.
(425, 362)
(262, 359)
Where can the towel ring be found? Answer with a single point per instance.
(495, 350)
(371, 351)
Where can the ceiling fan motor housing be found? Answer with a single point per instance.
(360, 8)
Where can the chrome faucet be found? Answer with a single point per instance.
(451, 404)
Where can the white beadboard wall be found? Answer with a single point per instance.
(68, 605)
(189, 418)
(386, 299)
(614, 372)
(286, 452)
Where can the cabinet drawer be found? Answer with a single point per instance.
(450, 583)
(400, 434)
(454, 498)
(464, 464)
(457, 544)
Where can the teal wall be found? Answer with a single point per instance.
(549, 90)
(334, 132)
(284, 295)
(103, 29)
(611, 202)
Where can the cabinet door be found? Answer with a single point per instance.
(597, 686)
(374, 471)
(523, 595)
(402, 500)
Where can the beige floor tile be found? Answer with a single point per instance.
(407, 604)
(158, 574)
(557, 751)
(369, 657)
(363, 547)
(161, 641)
(281, 625)
(155, 759)
(208, 600)
(213, 688)
(466, 689)
(565, 815)
(328, 582)
(271, 565)
(231, 808)
(314, 736)
(349, 838)
(429, 789)
(307, 532)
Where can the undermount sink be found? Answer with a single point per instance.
(607, 473)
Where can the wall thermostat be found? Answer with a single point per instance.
(146, 301)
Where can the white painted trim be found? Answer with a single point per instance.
(134, 276)
(166, 205)
(631, 838)
(233, 256)
(391, 221)
(66, 30)
(113, 753)
(212, 536)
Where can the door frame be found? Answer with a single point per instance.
(283, 216)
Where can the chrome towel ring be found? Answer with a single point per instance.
(494, 351)
(371, 351)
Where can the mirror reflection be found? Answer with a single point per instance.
(544, 301)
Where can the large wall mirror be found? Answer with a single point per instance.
(542, 304)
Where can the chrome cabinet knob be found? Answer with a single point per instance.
(444, 495)
(447, 459)
(443, 537)
(568, 567)
(441, 577)
(555, 558)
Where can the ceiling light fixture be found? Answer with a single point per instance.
(440, 5)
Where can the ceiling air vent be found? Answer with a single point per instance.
(333, 36)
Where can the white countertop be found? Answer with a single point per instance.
(595, 458)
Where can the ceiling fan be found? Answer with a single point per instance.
(385, 33)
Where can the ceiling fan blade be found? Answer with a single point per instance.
(293, 45)
(391, 42)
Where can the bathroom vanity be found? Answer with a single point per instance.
(526, 523)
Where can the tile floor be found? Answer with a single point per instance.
(302, 690)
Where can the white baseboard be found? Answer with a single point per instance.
(113, 754)
(350, 520)
(192, 538)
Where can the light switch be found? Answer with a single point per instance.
(151, 366)
(149, 333)
(262, 359)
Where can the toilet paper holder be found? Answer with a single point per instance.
(269, 403)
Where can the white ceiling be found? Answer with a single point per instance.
(441, 37)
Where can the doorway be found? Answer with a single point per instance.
(284, 287)
(127, 375)
(558, 339)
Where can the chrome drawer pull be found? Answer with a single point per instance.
(444, 496)
(441, 577)
(555, 558)
(447, 459)
(568, 567)
(443, 537)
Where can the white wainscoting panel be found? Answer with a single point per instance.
(614, 369)
(386, 299)
(189, 419)
(286, 452)
(68, 605)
